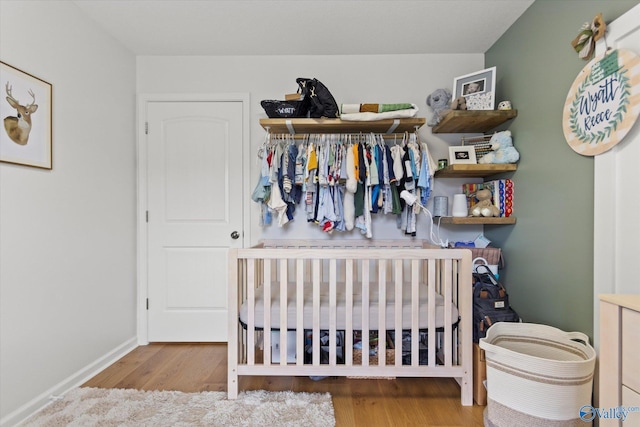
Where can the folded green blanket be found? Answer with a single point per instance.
(393, 107)
(373, 108)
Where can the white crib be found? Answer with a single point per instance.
(300, 290)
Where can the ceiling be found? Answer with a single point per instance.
(304, 27)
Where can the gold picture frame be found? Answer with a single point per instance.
(25, 140)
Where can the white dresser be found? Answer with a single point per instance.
(620, 355)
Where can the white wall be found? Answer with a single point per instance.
(67, 246)
(351, 79)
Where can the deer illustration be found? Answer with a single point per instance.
(18, 128)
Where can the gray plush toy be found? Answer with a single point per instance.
(439, 101)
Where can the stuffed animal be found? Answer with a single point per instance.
(503, 149)
(439, 101)
(484, 207)
(460, 103)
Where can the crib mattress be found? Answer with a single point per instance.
(373, 308)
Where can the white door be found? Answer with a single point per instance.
(195, 210)
(616, 228)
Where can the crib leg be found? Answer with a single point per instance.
(466, 398)
(232, 384)
(466, 382)
(232, 368)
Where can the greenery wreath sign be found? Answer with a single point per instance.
(603, 102)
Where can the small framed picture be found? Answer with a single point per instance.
(463, 154)
(478, 89)
(25, 108)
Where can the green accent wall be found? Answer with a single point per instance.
(549, 252)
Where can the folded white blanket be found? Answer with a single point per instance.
(363, 117)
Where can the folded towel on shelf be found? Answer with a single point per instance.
(374, 108)
(369, 116)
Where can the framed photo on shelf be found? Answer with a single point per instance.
(26, 110)
(477, 88)
(462, 154)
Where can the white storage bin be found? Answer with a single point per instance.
(536, 375)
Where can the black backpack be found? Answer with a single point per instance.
(490, 304)
(321, 102)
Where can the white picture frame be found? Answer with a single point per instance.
(462, 155)
(477, 88)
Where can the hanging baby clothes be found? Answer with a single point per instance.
(351, 187)
(374, 177)
(311, 182)
(262, 191)
(325, 214)
(425, 182)
(342, 180)
(276, 202)
(407, 220)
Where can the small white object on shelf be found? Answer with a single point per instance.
(459, 208)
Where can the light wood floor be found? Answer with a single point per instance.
(356, 402)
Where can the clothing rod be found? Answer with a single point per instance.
(359, 134)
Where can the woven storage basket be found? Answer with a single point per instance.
(536, 375)
(491, 254)
(373, 359)
(285, 109)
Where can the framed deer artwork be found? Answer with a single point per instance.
(26, 113)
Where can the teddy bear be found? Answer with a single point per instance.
(484, 207)
(460, 103)
(502, 148)
(439, 101)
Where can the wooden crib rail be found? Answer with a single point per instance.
(356, 270)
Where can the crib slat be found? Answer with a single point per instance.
(454, 297)
(431, 310)
(316, 312)
(332, 312)
(365, 312)
(448, 284)
(299, 311)
(283, 312)
(398, 312)
(349, 313)
(267, 312)
(251, 311)
(382, 312)
(415, 322)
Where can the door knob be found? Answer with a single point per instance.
(235, 235)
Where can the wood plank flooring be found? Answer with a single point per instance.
(356, 402)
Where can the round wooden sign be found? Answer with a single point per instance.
(603, 102)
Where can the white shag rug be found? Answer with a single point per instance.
(85, 407)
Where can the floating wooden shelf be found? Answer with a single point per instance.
(473, 121)
(476, 220)
(474, 171)
(295, 126)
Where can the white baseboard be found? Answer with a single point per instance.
(75, 380)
